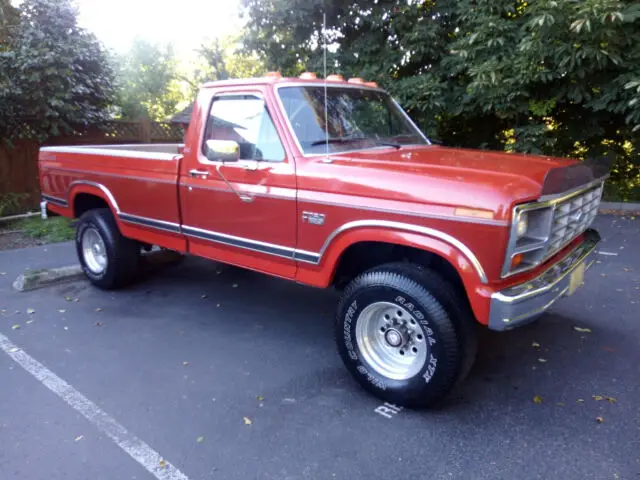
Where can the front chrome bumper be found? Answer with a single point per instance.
(520, 304)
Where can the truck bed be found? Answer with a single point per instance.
(140, 181)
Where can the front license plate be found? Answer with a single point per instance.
(577, 279)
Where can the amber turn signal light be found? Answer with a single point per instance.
(516, 260)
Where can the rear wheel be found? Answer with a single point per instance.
(108, 259)
(405, 334)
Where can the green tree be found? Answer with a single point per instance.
(148, 81)
(557, 77)
(221, 59)
(54, 74)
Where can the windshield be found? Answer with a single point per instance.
(358, 119)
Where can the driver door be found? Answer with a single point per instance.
(243, 212)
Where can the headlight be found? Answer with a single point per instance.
(522, 224)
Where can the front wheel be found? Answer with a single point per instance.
(405, 334)
(108, 259)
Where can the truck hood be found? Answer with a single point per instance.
(432, 174)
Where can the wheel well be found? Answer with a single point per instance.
(83, 202)
(363, 256)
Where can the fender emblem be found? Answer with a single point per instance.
(313, 218)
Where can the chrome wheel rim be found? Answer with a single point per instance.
(391, 340)
(94, 251)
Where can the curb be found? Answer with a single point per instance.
(33, 279)
(620, 206)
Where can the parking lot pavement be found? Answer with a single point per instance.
(230, 374)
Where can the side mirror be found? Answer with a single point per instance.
(222, 151)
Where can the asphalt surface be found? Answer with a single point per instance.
(180, 359)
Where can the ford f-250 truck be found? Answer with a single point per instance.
(329, 183)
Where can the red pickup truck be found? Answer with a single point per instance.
(330, 184)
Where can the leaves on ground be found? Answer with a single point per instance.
(200, 439)
(29, 321)
(543, 360)
(162, 463)
(535, 345)
(68, 299)
(580, 401)
(582, 330)
(247, 421)
(62, 310)
(31, 311)
(203, 296)
(78, 438)
(599, 419)
(218, 305)
(185, 363)
(560, 404)
(260, 398)
(98, 309)
(597, 398)
(99, 324)
(610, 399)
(2, 274)
(15, 327)
(537, 399)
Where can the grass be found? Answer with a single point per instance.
(51, 230)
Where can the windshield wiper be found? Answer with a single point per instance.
(337, 140)
(355, 139)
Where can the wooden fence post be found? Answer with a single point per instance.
(145, 130)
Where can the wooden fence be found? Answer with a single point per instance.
(19, 184)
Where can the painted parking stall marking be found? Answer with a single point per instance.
(142, 453)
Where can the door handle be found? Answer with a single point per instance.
(198, 173)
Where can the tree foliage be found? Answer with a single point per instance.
(54, 75)
(148, 81)
(557, 77)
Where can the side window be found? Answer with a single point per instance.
(245, 119)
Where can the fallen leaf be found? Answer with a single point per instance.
(610, 399)
(535, 345)
(260, 398)
(628, 269)
(560, 404)
(204, 296)
(542, 360)
(62, 310)
(30, 311)
(200, 439)
(3, 273)
(68, 299)
(162, 463)
(597, 398)
(537, 399)
(76, 300)
(98, 309)
(99, 324)
(261, 405)
(15, 327)
(247, 421)
(29, 321)
(185, 363)
(13, 349)
(218, 305)
(235, 285)
(65, 327)
(603, 274)
(4, 310)
(79, 437)
(599, 419)
(580, 400)
(582, 330)
(289, 400)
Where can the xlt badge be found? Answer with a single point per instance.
(313, 218)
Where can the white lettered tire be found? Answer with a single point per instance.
(405, 334)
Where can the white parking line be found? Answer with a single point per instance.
(136, 448)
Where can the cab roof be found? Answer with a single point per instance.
(278, 80)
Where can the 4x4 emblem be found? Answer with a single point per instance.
(313, 218)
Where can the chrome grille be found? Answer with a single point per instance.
(572, 217)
